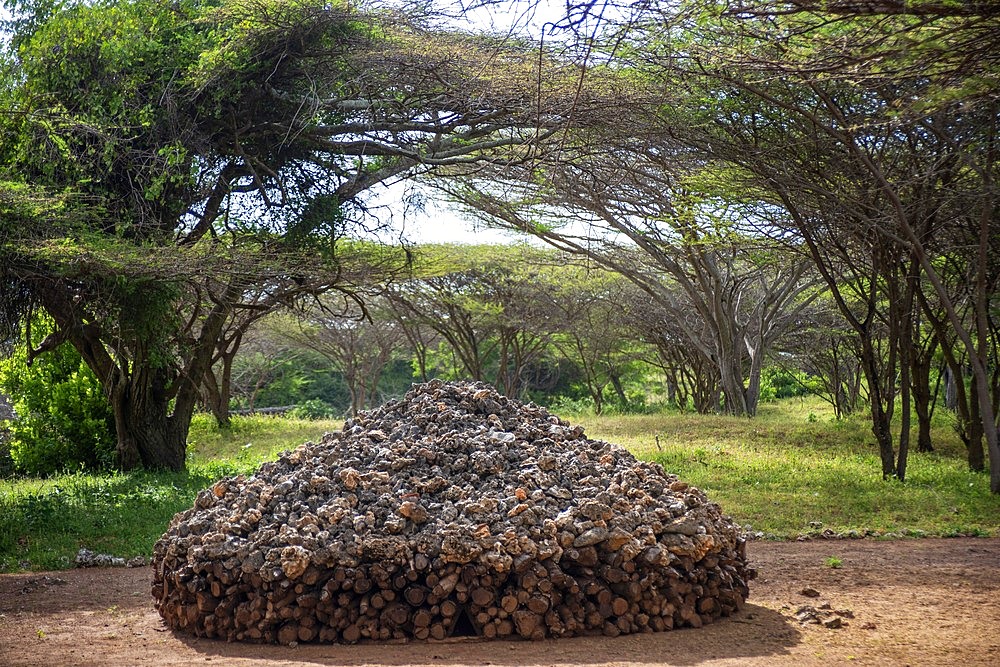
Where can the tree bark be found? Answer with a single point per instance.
(905, 345)
(217, 392)
(148, 436)
(923, 397)
(959, 398)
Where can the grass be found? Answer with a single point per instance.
(793, 471)
(253, 438)
(44, 522)
(790, 471)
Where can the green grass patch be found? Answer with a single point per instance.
(253, 437)
(793, 470)
(44, 522)
(781, 473)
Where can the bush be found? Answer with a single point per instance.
(567, 405)
(63, 421)
(776, 382)
(6, 462)
(314, 408)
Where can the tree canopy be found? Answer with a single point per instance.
(207, 160)
(858, 137)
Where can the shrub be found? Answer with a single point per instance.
(63, 420)
(314, 408)
(776, 382)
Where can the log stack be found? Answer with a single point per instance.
(454, 511)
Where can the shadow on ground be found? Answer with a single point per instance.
(755, 632)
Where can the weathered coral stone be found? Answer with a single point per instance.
(452, 511)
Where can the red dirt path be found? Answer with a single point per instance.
(914, 602)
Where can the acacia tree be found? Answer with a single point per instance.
(358, 339)
(633, 207)
(265, 359)
(692, 378)
(827, 350)
(874, 146)
(359, 267)
(215, 148)
(491, 308)
(594, 307)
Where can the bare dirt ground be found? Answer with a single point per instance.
(918, 602)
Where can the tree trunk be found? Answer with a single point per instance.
(217, 393)
(883, 438)
(905, 340)
(148, 435)
(220, 409)
(352, 389)
(959, 398)
(923, 397)
(950, 390)
(921, 362)
(921, 403)
(973, 438)
(881, 413)
(905, 350)
(752, 393)
(733, 389)
(975, 453)
(597, 394)
(970, 428)
(616, 383)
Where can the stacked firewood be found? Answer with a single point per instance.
(454, 511)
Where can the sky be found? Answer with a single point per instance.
(432, 220)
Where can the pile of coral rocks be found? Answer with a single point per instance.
(453, 511)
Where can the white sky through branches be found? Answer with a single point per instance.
(406, 211)
(419, 215)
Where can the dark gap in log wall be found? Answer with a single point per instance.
(464, 626)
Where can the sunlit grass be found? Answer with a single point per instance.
(252, 437)
(44, 522)
(781, 472)
(794, 466)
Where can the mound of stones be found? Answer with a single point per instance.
(454, 511)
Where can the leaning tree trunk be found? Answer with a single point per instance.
(216, 394)
(152, 408)
(616, 384)
(154, 419)
(220, 407)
